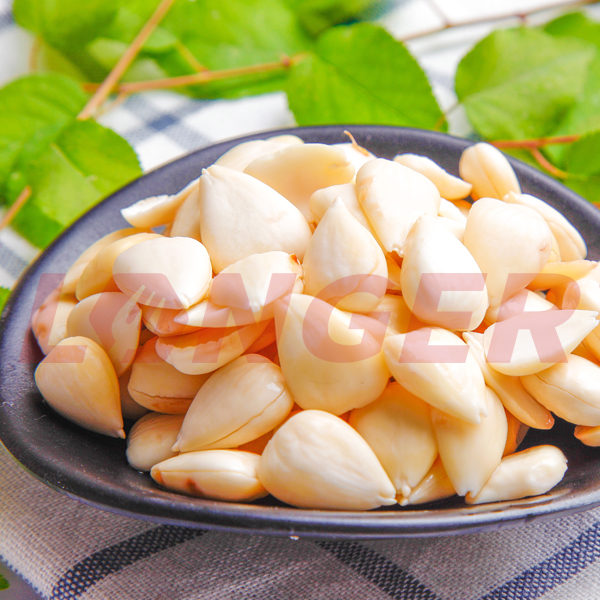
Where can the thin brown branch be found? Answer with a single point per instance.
(15, 207)
(536, 142)
(205, 76)
(493, 18)
(106, 87)
(189, 57)
(34, 53)
(355, 144)
(546, 164)
(439, 12)
(112, 105)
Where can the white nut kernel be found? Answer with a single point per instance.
(150, 439)
(531, 472)
(228, 475)
(79, 382)
(316, 460)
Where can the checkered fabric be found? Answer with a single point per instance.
(67, 549)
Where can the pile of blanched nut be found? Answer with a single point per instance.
(314, 323)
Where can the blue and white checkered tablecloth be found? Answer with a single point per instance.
(69, 550)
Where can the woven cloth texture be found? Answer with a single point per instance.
(67, 549)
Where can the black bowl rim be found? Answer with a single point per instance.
(181, 510)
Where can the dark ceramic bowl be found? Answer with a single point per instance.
(93, 468)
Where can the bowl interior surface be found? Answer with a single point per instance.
(93, 468)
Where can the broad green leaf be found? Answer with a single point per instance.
(361, 74)
(519, 83)
(318, 15)
(4, 294)
(582, 161)
(577, 25)
(196, 34)
(65, 23)
(85, 163)
(584, 116)
(33, 111)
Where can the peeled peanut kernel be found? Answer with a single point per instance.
(571, 390)
(243, 216)
(240, 156)
(449, 210)
(471, 452)
(518, 354)
(49, 322)
(257, 280)
(437, 274)
(113, 321)
(157, 210)
(161, 321)
(79, 382)
(357, 155)
(238, 403)
(590, 436)
(350, 375)
(511, 243)
(586, 291)
(169, 272)
(394, 274)
(393, 311)
(76, 269)
(454, 385)
(228, 475)
(510, 390)
(150, 439)
(316, 460)
(208, 349)
(436, 485)
(516, 433)
(531, 472)
(297, 171)
(160, 387)
(523, 301)
(489, 171)
(97, 277)
(186, 222)
(342, 251)
(571, 244)
(393, 197)
(452, 227)
(129, 407)
(561, 273)
(321, 200)
(397, 427)
(448, 186)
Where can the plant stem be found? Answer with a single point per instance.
(34, 53)
(205, 76)
(16, 206)
(447, 24)
(536, 142)
(546, 164)
(106, 87)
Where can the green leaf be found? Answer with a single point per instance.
(575, 24)
(582, 161)
(4, 294)
(584, 116)
(85, 163)
(361, 74)
(519, 83)
(65, 23)
(318, 15)
(33, 111)
(194, 34)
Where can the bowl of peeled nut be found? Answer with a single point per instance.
(389, 334)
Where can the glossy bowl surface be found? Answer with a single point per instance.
(93, 468)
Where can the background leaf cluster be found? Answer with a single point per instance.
(514, 84)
